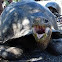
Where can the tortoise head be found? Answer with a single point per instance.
(42, 32)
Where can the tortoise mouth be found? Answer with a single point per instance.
(39, 31)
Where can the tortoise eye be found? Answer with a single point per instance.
(46, 21)
(2, 2)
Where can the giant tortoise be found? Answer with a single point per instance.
(25, 26)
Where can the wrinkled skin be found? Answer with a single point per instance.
(24, 25)
(55, 46)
